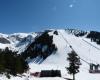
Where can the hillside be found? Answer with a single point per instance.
(65, 41)
(16, 41)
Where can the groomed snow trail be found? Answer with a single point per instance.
(87, 52)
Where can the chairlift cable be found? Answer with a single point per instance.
(73, 49)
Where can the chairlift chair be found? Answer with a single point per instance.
(94, 68)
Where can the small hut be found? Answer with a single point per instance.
(50, 73)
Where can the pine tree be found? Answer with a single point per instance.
(74, 63)
(12, 63)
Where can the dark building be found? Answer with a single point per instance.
(50, 73)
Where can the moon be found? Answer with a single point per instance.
(72, 3)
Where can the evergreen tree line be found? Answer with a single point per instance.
(94, 36)
(12, 63)
(42, 46)
(76, 32)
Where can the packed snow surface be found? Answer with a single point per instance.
(88, 51)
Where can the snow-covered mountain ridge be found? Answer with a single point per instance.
(16, 41)
(83, 43)
(87, 50)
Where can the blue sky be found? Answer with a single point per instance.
(37, 15)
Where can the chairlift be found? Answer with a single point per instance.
(94, 68)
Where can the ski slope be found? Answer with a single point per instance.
(88, 52)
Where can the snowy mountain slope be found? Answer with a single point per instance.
(16, 41)
(88, 52)
(58, 60)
